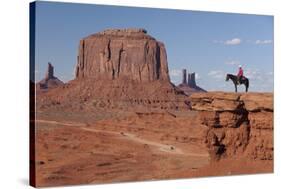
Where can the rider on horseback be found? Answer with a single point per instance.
(240, 75)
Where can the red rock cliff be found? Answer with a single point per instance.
(239, 124)
(122, 53)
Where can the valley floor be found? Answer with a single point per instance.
(118, 146)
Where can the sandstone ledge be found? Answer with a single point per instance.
(223, 101)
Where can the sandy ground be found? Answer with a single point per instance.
(104, 147)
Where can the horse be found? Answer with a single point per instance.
(234, 79)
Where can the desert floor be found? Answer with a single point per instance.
(119, 146)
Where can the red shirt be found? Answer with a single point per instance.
(240, 72)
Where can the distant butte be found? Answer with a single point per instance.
(189, 87)
(50, 81)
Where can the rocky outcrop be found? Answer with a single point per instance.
(122, 53)
(239, 124)
(50, 81)
(189, 87)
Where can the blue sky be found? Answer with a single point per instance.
(210, 44)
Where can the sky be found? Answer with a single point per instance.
(207, 43)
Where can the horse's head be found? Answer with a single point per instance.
(227, 77)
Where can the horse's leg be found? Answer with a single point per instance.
(246, 85)
(235, 88)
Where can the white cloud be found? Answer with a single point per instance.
(257, 74)
(253, 74)
(237, 41)
(232, 62)
(234, 41)
(175, 73)
(217, 74)
(197, 76)
(262, 42)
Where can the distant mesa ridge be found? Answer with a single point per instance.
(189, 87)
(50, 81)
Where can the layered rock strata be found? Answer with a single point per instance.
(238, 124)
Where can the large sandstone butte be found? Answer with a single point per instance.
(119, 68)
(239, 124)
(122, 53)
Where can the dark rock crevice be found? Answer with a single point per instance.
(158, 62)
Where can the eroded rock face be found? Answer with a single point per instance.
(122, 53)
(239, 124)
